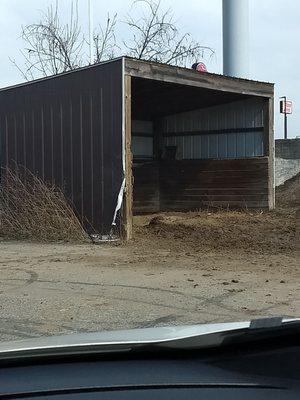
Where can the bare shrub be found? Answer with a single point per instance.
(32, 209)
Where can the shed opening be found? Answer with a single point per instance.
(193, 147)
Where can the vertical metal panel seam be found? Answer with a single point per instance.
(43, 142)
(61, 145)
(6, 141)
(71, 151)
(102, 157)
(33, 137)
(123, 115)
(81, 157)
(24, 139)
(15, 139)
(111, 116)
(92, 159)
(52, 143)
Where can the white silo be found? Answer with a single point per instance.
(236, 38)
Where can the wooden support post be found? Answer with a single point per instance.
(128, 197)
(269, 147)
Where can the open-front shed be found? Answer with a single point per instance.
(130, 136)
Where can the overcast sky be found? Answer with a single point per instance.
(274, 39)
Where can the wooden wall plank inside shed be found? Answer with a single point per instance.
(178, 185)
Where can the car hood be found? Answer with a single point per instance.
(172, 337)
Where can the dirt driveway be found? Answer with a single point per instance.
(180, 269)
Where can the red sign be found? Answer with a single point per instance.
(286, 107)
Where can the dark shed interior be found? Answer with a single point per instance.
(193, 147)
(153, 99)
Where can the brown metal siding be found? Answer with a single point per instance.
(68, 130)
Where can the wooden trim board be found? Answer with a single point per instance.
(269, 147)
(185, 76)
(128, 196)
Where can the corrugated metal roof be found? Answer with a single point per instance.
(59, 75)
(197, 73)
(131, 58)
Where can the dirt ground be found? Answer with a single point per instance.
(288, 194)
(181, 268)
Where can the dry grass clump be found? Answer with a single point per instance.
(31, 209)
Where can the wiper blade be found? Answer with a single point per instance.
(164, 338)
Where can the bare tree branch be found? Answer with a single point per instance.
(105, 40)
(155, 36)
(52, 47)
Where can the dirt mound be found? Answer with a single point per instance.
(288, 194)
(223, 230)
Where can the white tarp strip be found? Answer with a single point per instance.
(119, 202)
